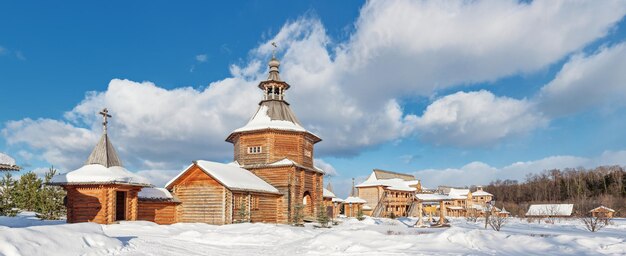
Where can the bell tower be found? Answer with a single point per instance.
(276, 147)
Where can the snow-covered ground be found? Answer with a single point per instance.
(25, 235)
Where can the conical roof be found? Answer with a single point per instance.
(329, 187)
(104, 153)
(103, 166)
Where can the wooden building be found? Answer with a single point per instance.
(389, 194)
(157, 205)
(602, 212)
(217, 193)
(353, 204)
(332, 203)
(102, 190)
(274, 146)
(549, 210)
(7, 163)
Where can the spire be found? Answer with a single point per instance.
(353, 190)
(104, 153)
(274, 65)
(329, 187)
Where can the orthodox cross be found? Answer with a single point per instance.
(105, 116)
(274, 51)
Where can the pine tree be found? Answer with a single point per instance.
(7, 202)
(322, 216)
(27, 192)
(297, 215)
(359, 215)
(241, 212)
(50, 206)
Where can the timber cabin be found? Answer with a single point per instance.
(389, 194)
(102, 190)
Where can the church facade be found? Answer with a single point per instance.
(272, 178)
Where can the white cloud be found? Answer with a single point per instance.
(349, 94)
(327, 167)
(478, 173)
(201, 58)
(585, 81)
(475, 118)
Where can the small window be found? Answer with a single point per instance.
(254, 150)
(254, 203)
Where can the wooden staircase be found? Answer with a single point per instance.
(379, 210)
(413, 209)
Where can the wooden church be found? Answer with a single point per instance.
(272, 178)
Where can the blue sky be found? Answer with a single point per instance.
(457, 93)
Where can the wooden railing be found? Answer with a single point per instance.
(380, 207)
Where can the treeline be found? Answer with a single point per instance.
(585, 188)
(30, 193)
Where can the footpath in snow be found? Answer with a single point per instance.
(25, 235)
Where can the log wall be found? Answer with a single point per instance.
(203, 199)
(275, 146)
(159, 212)
(97, 203)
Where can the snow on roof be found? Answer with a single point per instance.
(155, 193)
(354, 200)
(454, 207)
(602, 207)
(337, 200)
(289, 162)
(99, 174)
(393, 184)
(504, 210)
(231, 176)
(366, 207)
(327, 193)
(550, 210)
(456, 193)
(6, 160)
(432, 197)
(261, 120)
(481, 193)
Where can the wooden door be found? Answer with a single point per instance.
(120, 205)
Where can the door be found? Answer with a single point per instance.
(120, 205)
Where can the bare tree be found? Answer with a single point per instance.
(496, 221)
(472, 215)
(594, 224)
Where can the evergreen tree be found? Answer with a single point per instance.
(7, 203)
(359, 215)
(297, 215)
(26, 194)
(322, 216)
(241, 212)
(50, 206)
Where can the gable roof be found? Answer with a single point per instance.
(383, 174)
(328, 194)
(602, 208)
(230, 176)
(456, 193)
(563, 210)
(391, 184)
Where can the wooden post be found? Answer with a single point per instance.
(442, 210)
(420, 220)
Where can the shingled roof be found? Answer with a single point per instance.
(104, 153)
(383, 174)
(7, 163)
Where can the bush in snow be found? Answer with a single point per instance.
(594, 224)
(359, 215)
(496, 221)
(7, 204)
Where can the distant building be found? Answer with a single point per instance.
(353, 204)
(7, 163)
(390, 193)
(549, 210)
(602, 212)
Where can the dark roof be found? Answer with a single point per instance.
(104, 153)
(382, 174)
(6, 167)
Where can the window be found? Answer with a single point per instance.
(254, 150)
(254, 204)
(307, 153)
